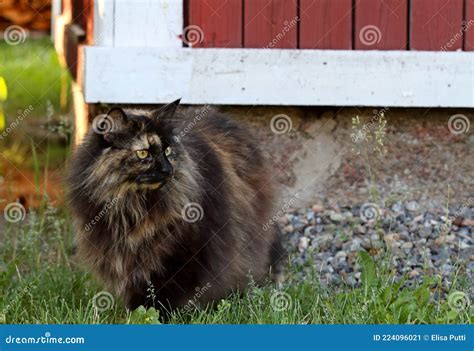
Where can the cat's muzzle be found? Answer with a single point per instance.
(154, 179)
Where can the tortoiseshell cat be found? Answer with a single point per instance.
(162, 200)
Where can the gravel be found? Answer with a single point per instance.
(419, 243)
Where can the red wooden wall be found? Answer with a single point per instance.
(335, 32)
(264, 20)
(433, 25)
(469, 26)
(220, 21)
(381, 25)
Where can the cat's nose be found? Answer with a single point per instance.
(165, 167)
(166, 170)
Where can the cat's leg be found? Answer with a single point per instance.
(137, 297)
(278, 256)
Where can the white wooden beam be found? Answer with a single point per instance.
(148, 23)
(104, 22)
(279, 77)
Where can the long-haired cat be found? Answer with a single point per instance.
(166, 204)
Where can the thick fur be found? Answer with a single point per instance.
(134, 237)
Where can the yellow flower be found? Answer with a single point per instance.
(3, 97)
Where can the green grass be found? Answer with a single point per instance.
(33, 77)
(40, 283)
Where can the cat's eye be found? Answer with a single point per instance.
(168, 151)
(142, 154)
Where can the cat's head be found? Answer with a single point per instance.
(137, 148)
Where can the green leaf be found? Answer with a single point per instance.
(422, 295)
(369, 272)
(452, 315)
(143, 316)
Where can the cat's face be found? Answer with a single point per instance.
(139, 151)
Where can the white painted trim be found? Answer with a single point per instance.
(279, 77)
(138, 23)
(104, 22)
(148, 23)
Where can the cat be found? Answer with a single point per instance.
(166, 203)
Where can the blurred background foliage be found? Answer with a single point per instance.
(33, 76)
(35, 120)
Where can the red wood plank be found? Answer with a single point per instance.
(270, 24)
(216, 23)
(381, 25)
(469, 26)
(326, 24)
(435, 23)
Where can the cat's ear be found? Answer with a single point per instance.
(112, 122)
(118, 117)
(166, 112)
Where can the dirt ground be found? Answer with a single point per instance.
(329, 157)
